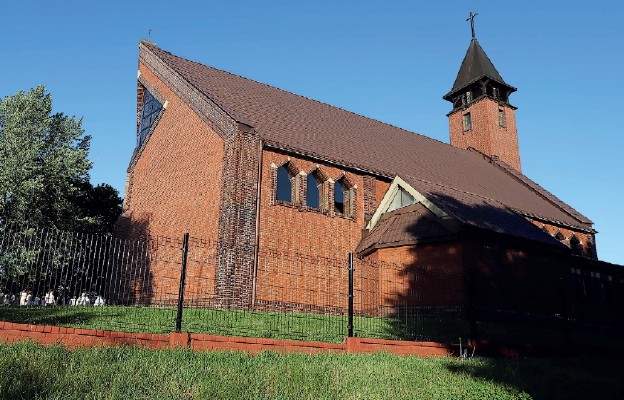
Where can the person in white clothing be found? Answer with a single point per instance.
(23, 296)
(49, 298)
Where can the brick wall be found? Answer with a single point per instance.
(303, 251)
(178, 173)
(174, 186)
(486, 134)
(423, 275)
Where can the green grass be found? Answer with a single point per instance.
(29, 371)
(300, 326)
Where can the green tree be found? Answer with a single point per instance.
(44, 186)
(44, 168)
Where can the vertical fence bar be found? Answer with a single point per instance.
(350, 320)
(182, 279)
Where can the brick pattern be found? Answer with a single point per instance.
(565, 235)
(486, 134)
(72, 338)
(237, 221)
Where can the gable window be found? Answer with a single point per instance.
(502, 120)
(150, 113)
(467, 120)
(401, 199)
(284, 185)
(313, 191)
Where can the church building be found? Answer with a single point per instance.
(256, 169)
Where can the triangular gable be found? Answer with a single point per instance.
(389, 201)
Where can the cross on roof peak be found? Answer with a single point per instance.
(471, 19)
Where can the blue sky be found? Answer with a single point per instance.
(391, 61)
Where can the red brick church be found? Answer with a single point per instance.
(253, 168)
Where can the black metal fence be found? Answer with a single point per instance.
(103, 282)
(165, 284)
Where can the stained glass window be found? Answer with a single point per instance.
(149, 115)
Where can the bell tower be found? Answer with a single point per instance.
(482, 117)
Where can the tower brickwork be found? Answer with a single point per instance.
(482, 117)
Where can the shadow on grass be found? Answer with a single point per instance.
(566, 378)
(58, 316)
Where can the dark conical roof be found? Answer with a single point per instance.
(475, 66)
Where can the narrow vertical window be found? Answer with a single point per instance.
(467, 122)
(313, 191)
(495, 93)
(284, 185)
(149, 114)
(339, 197)
(576, 246)
(502, 120)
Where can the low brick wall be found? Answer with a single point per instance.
(72, 338)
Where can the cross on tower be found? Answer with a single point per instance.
(471, 19)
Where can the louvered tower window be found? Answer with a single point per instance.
(149, 115)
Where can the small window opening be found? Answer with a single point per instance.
(339, 197)
(467, 122)
(284, 185)
(313, 191)
(343, 197)
(495, 93)
(576, 245)
(502, 119)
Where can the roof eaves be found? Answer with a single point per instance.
(539, 190)
(449, 95)
(315, 156)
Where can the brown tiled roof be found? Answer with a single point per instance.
(295, 123)
(413, 224)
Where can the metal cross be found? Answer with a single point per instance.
(471, 19)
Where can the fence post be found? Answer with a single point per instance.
(182, 280)
(350, 318)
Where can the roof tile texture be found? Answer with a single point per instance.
(293, 122)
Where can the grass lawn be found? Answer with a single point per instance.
(300, 326)
(30, 371)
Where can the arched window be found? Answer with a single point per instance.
(343, 197)
(339, 197)
(313, 191)
(284, 185)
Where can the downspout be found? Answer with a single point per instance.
(257, 245)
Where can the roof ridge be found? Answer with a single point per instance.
(512, 209)
(294, 94)
(210, 96)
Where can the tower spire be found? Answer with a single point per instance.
(482, 117)
(471, 18)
